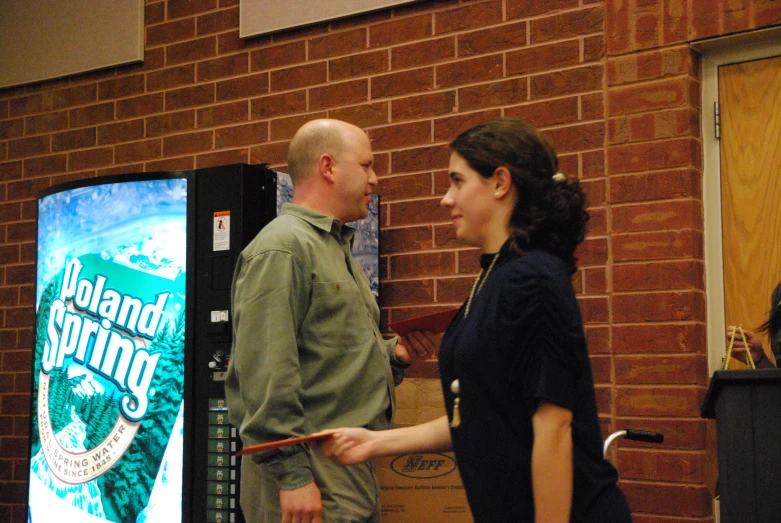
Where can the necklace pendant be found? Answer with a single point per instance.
(455, 388)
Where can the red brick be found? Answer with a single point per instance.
(472, 16)
(647, 19)
(249, 134)
(404, 135)
(657, 245)
(449, 127)
(604, 397)
(203, 161)
(4, 109)
(682, 433)
(652, 65)
(181, 8)
(170, 123)
(656, 125)
(422, 106)
(618, 26)
(417, 212)
(191, 50)
(26, 147)
(189, 97)
(417, 292)
(401, 187)
(675, 22)
(655, 186)
(154, 13)
(659, 306)
(404, 239)
(11, 128)
(667, 154)
(170, 164)
(676, 500)
(170, 32)
(336, 44)
(705, 21)
(597, 223)
(362, 19)
(77, 139)
(31, 104)
(492, 95)
(366, 115)
(527, 8)
(278, 56)
(171, 77)
(297, 77)
(363, 64)
(219, 21)
(121, 87)
(560, 83)
(766, 12)
(400, 30)
(468, 261)
(138, 151)
(594, 48)
(652, 96)
(543, 57)
(668, 370)
(423, 264)
(231, 65)
(404, 82)
(44, 123)
(188, 143)
(423, 53)
(420, 159)
(546, 113)
(140, 105)
(274, 153)
(668, 401)
(453, 290)
(671, 275)
(640, 464)
(230, 42)
(577, 137)
(492, 39)
(593, 251)
(243, 87)
(227, 113)
(9, 253)
(90, 158)
(125, 131)
(336, 94)
(279, 104)
(594, 309)
(468, 71)
(680, 214)
(91, 115)
(567, 25)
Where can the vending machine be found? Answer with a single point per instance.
(133, 338)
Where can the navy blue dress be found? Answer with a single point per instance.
(523, 343)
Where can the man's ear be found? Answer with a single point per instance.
(503, 182)
(326, 167)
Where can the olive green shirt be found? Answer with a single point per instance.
(307, 350)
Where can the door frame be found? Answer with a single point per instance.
(716, 52)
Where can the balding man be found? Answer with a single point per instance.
(307, 350)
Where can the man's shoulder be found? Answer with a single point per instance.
(286, 233)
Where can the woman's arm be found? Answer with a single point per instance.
(351, 445)
(552, 463)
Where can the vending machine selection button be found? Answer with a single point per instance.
(218, 488)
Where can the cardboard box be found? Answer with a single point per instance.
(421, 488)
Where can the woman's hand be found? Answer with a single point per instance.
(347, 446)
(739, 348)
(418, 346)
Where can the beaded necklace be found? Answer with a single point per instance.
(481, 281)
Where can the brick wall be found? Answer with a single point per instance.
(612, 83)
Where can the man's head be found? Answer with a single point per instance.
(331, 165)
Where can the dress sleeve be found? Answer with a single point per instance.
(547, 337)
(270, 300)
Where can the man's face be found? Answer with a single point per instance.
(355, 176)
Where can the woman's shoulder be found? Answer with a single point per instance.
(538, 265)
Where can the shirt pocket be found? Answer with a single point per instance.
(337, 316)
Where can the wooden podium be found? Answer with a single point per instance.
(747, 407)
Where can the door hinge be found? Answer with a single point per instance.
(716, 120)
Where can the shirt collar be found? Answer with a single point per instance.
(321, 221)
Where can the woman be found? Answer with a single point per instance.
(517, 382)
(773, 329)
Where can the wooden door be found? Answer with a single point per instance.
(750, 110)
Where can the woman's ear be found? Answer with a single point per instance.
(503, 182)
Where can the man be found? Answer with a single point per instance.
(307, 351)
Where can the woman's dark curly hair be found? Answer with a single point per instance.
(549, 214)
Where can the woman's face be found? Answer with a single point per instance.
(471, 201)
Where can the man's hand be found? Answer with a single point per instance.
(739, 348)
(301, 505)
(418, 346)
